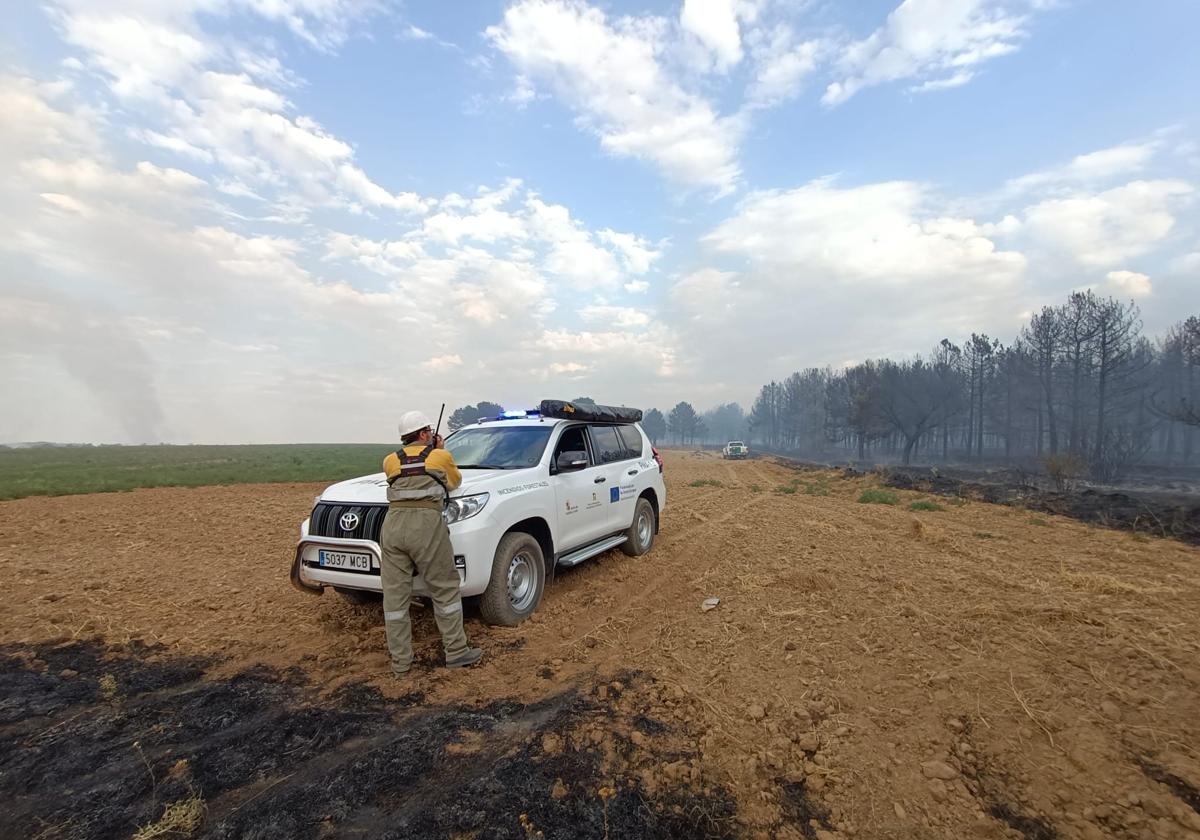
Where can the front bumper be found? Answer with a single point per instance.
(472, 541)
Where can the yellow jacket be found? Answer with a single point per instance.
(421, 489)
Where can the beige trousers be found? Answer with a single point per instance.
(417, 539)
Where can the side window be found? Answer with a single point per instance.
(606, 445)
(631, 437)
(572, 440)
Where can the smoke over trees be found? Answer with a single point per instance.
(1080, 380)
(684, 423)
(655, 425)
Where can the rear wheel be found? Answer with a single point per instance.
(518, 578)
(640, 535)
(358, 597)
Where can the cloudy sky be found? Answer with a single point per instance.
(289, 220)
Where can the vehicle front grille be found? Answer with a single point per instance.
(327, 517)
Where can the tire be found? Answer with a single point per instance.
(640, 536)
(518, 578)
(358, 597)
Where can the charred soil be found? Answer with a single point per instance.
(1160, 512)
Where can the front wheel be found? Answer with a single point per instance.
(518, 578)
(640, 535)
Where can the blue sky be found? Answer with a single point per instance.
(244, 221)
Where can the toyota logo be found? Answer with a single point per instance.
(349, 521)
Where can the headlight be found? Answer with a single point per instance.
(464, 507)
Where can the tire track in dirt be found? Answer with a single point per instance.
(673, 544)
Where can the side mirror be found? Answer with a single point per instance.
(571, 460)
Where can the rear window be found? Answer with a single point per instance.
(606, 446)
(631, 437)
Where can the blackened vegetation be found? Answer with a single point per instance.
(1081, 388)
(1031, 828)
(991, 789)
(1181, 788)
(96, 742)
(799, 810)
(1161, 514)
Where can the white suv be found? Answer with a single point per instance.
(538, 492)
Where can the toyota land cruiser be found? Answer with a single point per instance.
(541, 490)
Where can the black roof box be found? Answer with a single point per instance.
(592, 413)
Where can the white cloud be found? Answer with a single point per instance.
(159, 58)
(637, 287)
(145, 182)
(884, 232)
(67, 203)
(957, 80)
(648, 354)
(781, 66)
(218, 312)
(620, 317)
(1093, 167)
(1186, 263)
(715, 24)
(1130, 283)
(35, 120)
(610, 73)
(144, 57)
(1109, 227)
(940, 41)
(571, 369)
(441, 364)
(636, 253)
(416, 33)
(521, 228)
(172, 144)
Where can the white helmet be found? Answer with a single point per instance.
(413, 421)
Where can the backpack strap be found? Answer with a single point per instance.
(414, 465)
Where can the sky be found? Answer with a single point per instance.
(261, 221)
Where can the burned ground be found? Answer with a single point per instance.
(98, 742)
(1155, 511)
(870, 671)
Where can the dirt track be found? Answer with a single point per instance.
(869, 672)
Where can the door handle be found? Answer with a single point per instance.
(633, 472)
(599, 480)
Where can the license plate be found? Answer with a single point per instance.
(344, 560)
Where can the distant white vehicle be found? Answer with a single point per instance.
(538, 492)
(735, 449)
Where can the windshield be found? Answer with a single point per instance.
(498, 447)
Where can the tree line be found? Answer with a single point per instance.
(1079, 384)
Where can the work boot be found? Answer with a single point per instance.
(468, 657)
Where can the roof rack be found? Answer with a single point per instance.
(563, 410)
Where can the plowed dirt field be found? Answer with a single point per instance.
(870, 671)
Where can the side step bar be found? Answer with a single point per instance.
(574, 558)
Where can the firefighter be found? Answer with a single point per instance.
(415, 538)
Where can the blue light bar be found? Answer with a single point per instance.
(519, 415)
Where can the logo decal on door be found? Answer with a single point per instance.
(614, 494)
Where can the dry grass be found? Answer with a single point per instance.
(1104, 584)
(180, 819)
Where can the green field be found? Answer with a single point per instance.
(61, 470)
